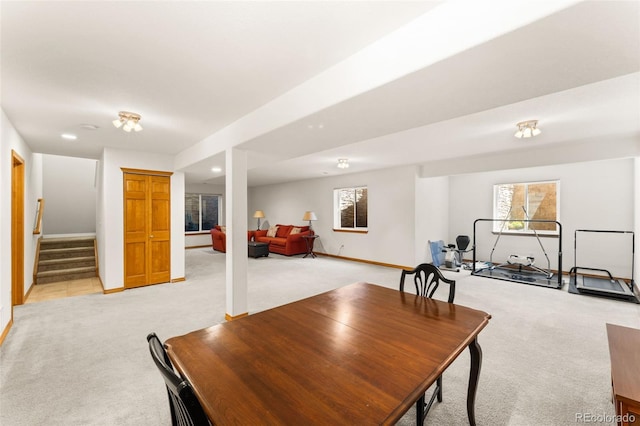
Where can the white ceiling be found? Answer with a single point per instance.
(193, 68)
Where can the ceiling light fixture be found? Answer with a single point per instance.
(68, 136)
(216, 169)
(128, 121)
(343, 163)
(527, 129)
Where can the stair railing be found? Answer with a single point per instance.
(37, 226)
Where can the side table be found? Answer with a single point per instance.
(309, 240)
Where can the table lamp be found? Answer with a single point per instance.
(259, 214)
(309, 216)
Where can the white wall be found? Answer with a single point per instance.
(432, 215)
(11, 140)
(110, 217)
(66, 179)
(593, 195)
(391, 209)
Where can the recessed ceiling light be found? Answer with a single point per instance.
(68, 136)
(216, 169)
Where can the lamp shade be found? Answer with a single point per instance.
(259, 214)
(309, 216)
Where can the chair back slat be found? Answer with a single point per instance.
(184, 405)
(426, 279)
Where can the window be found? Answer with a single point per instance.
(201, 212)
(521, 201)
(350, 208)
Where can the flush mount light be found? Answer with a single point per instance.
(343, 163)
(68, 136)
(527, 129)
(216, 169)
(128, 121)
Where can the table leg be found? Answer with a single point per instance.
(309, 248)
(476, 363)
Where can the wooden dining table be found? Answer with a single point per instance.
(360, 354)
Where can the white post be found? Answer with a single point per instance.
(236, 222)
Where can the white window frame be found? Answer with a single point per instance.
(220, 211)
(499, 226)
(337, 222)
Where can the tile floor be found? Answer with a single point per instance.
(42, 292)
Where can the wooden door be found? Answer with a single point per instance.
(147, 228)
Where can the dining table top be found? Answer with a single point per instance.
(359, 354)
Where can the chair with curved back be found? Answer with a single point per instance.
(427, 278)
(185, 407)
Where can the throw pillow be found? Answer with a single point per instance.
(272, 231)
(223, 229)
(295, 230)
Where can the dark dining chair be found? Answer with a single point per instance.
(185, 407)
(427, 278)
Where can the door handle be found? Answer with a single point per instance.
(150, 236)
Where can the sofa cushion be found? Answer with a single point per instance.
(278, 241)
(272, 231)
(283, 230)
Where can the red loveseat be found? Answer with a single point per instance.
(286, 241)
(219, 238)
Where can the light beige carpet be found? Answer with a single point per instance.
(84, 360)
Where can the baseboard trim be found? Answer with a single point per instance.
(6, 331)
(178, 280)
(113, 290)
(195, 247)
(233, 318)
(370, 262)
(26, 296)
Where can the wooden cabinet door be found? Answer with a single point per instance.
(147, 229)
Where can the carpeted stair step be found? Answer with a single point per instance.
(67, 263)
(62, 253)
(65, 274)
(58, 243)
(65, 259)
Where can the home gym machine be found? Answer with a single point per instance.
(597, 281)
(450, 256)
(519, 268)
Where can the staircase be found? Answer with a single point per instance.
(64, 259)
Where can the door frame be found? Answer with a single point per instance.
(17, 230)
(149, 174)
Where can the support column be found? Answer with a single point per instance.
(636, 219)
(236, 222)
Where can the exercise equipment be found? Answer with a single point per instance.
(449, 256)
(525, 261)
(599, 281)
(454, 252)
(519, 268)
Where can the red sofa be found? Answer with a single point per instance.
(285, 242)
(219, 238)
